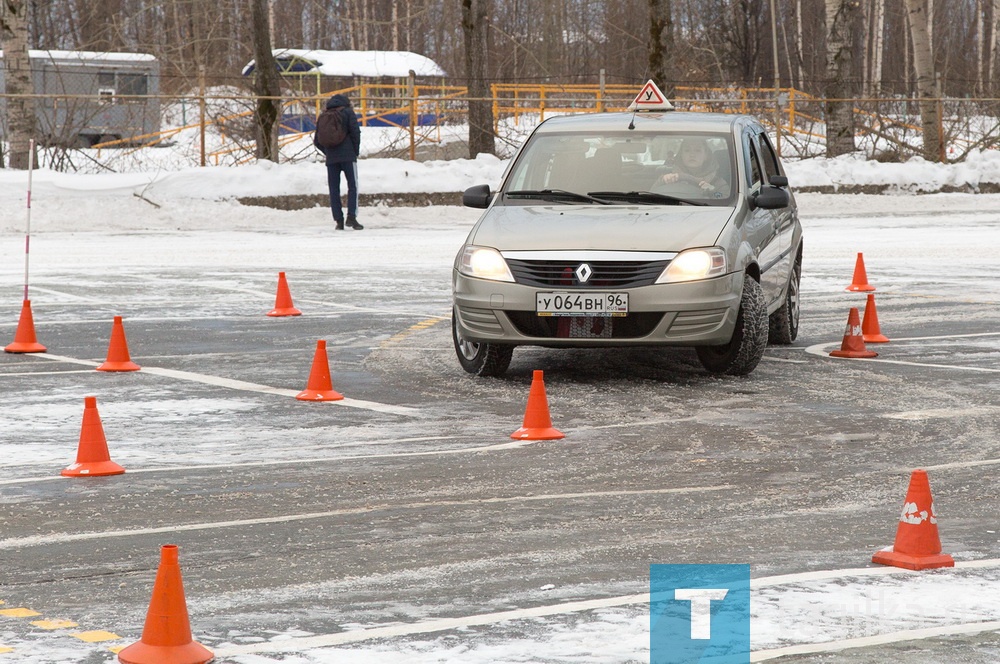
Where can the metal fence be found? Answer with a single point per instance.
(217, 127)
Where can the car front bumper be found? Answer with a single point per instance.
(696, 313)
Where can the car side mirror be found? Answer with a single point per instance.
(770, 198)
(477, 197)
(779, 180)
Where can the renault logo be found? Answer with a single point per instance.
(583, 273)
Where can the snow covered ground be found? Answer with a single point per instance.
(811, 609)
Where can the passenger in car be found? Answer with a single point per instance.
(696, 165)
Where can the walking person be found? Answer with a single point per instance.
(338, 137)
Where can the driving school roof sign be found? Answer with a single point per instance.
(650, 98)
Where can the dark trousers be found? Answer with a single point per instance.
(350, 171)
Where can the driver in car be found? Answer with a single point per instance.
(697, 166)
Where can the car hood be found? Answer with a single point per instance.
(609, 228)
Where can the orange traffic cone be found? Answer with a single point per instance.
(92, 458)
(118, 357)
(537, 422)
(319, 387)
(283, 300)
(854, 342)
(24, 337)
(166, 636)
(869, 325)
(917, 543)
(860, 281)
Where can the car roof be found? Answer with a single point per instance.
(647, 121)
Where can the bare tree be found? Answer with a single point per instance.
(475, 29)
(923, 63)
(266, 84)
(839, 109)
(17, 73)
(661, 45)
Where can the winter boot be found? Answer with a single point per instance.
(352, 221)
(340, 225)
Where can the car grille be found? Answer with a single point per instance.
(632, 326)
(606, 274)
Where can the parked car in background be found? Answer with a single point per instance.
(646, 228)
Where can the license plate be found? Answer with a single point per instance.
(581, 304)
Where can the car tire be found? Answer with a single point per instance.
(743, 352)
(480, 359)
(783, 325)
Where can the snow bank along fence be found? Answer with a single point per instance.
(116, 127)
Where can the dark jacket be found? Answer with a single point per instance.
(350, 148)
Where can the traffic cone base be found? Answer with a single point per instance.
(24, 336)
(118, 355)
(917, 545)
(92, 457)
(319, 386)
(92, 469)
(860, 281)
(283, 300)
(853, 344)
(908, 561)
(166, 636)
(869, 324)
(537, 421)
(140, 653)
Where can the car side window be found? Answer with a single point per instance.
(768, 157)
(753, 169)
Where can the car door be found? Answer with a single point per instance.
(784, 218)
(761, 225)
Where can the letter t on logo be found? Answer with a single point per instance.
(701, 608)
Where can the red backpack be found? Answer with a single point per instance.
(331, 129)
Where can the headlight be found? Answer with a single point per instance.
(695, 264)
(484, 263)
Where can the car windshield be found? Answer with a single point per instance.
(625, 168)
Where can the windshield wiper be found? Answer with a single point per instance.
(550, 194)
(645, 197)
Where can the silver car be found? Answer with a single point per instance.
(633, 229)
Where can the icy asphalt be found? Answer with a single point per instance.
(408, 504)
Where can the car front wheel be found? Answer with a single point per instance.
(481, 359)
(784, 323)
(743, 352)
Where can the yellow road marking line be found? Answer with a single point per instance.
(96, 636)
(416, 327)
(53, 624)
(19, 612)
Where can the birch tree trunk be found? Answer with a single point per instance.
(994, 47)
(980, 61)
(878, 47)
(839, 106)
(266, 84)
(661, 45)
(923, 64)
(17, 74)
(474, 29)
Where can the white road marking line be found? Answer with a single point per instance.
(293, 645)
(46, 373)
(881, 639)
(232, 384)
(822, 350)
(514, 444)
(61, 538)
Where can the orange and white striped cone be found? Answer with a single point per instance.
(853, 344)
(917, 544)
